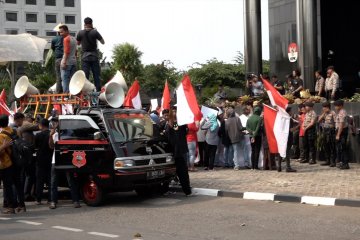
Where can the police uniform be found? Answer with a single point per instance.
(309, 138)
(341, 117)
(328, 125)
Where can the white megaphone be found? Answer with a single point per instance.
(118, 78)
(113, 94)
(24, 87)
(79, 83)
(52, 89)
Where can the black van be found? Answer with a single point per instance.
(113, 150)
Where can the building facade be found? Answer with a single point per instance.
(39, 17)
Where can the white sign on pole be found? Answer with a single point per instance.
(206, 111)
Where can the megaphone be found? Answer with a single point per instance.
(113, 94)
(24, 87)
(52, 89)
(118, 78)
(79, 83)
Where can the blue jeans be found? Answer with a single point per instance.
(237, 152)
(192, 153)
(54, 185)
(228, 156)
(94, 66)
(66, 75)
(246, 151)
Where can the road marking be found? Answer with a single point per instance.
(29, 222)
(68, 229)
(205, 191)
(103, 234)
(318, 200)
(259, 196)
(3, 218)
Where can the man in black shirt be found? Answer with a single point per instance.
(278, 84)
(43, 159)
(58, 48)
(88, 38)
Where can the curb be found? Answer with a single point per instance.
(324, 201)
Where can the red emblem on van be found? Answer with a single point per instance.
(79, 159)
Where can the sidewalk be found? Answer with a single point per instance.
(310, 180)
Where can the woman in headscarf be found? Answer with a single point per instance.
(212, 140)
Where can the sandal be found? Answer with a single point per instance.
(8, 211)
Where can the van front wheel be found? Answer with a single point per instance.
(92, 193)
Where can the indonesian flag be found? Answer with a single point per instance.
(4, 109)
(132, 98)
(275, 97)
(166, 99)
(188, 109)
(277, 123)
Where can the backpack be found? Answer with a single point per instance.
(21, 151)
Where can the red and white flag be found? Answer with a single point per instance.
(275, 97)
(166, 99)
(188, 109)
(132, 98)
(4, 109)
(277, 123)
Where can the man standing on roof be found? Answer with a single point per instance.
(88, 38)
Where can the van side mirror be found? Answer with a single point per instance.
(97, 136)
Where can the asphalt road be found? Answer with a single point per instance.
(182, 218)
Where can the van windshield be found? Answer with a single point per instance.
(125, 127)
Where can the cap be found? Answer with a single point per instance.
(57, 28)
(88, 20)
(309, 104)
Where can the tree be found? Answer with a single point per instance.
(153, 77)
(239, 58)
(127, 59)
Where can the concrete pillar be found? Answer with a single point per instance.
(306, 21)
(252, 33)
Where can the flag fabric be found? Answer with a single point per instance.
(275, 97)
(132, 98)
(188, 109)
(277, 124)
(166, 99)
(4, 109)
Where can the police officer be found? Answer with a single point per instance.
(327, 121)
(341, 134)
(310, 134)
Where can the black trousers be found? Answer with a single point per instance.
(43, 175)
(341, 147)
(329, 145)
(210, 154)
(183, 173)
(255, 152)
(202, 146)
(19, 183)
(309, 144)
(7, 176)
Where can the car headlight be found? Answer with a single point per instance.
(169, 159)
(124, 163)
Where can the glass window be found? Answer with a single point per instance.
(128, 127)
(10, 1)
(50, 18)
(50, 2)
(32, 32)
(69, 3)
(69, 19)
(31, 17)
(30, 2)
(76, 129)
(50, 33)
(12, 31)
(11, 16)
